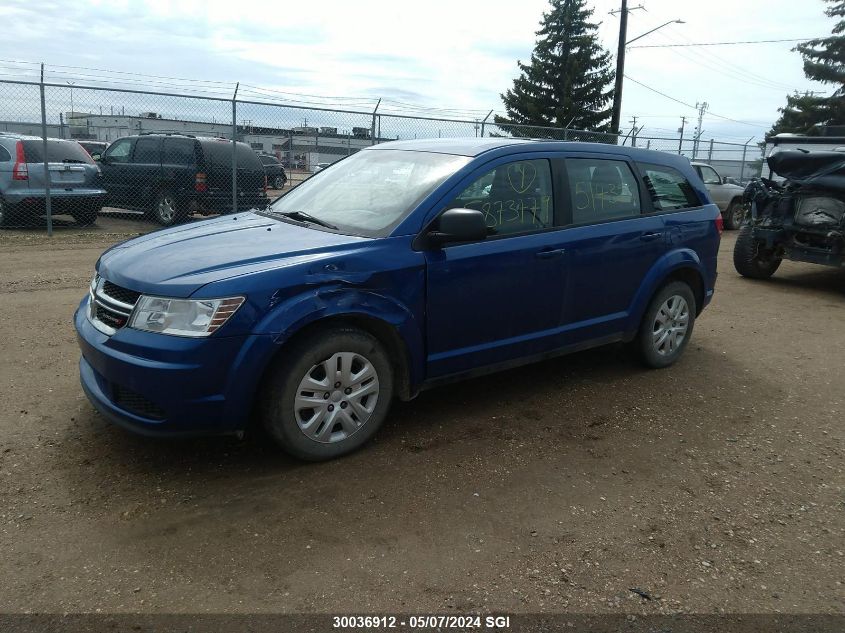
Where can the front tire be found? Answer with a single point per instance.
(279, 182)
(751, 259)
(327, 394)
(667, 325)
(734, 215)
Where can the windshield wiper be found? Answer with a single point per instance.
(306, 217)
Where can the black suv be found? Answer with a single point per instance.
(173, 175)
(276, 176)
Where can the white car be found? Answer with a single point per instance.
(727, 197)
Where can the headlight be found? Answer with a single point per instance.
(182, 317)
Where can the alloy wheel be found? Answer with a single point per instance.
(336, 397)
(166, 209)
(670, 325)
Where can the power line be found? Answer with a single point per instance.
(796, 39)
(689, 105)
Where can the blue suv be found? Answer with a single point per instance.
(401, 267)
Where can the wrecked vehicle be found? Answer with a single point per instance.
(802, 219)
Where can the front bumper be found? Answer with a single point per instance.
(163, 385)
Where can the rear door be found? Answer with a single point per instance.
(146, 180)
(498, 299)
(612, 245)
(179, 166)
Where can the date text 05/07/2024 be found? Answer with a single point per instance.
(421, 622)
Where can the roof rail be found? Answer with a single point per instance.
(166, 134)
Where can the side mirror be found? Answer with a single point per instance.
(460, 225)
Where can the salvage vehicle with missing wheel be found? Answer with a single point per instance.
(406, 265)
(802, 219)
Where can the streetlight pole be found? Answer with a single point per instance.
(620, 59)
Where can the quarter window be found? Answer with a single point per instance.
(601, 190)
(514, 197)
(668, 188)
(178, 151)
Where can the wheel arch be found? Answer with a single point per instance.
(678, 265)
(381, 330)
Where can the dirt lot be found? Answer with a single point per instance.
(713, 486)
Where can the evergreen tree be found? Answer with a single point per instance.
(569, 80)
(824, 61)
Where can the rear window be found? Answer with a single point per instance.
(269, 160)
(668, 188)
(219, 154)
(57, 152)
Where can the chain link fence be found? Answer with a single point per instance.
(73, 156)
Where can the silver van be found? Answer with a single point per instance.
(75, 181)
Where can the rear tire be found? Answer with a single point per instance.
(734, 215)
(167, 210)
(8, 215)
(667, 325)
(327, 394)
(86, 216)
(750, 258)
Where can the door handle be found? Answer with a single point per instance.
(648, 237)
(549, 254)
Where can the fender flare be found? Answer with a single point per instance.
(292, 315)
(669, 264)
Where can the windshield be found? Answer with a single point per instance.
(370, 192)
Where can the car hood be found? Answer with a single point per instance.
(176, 262)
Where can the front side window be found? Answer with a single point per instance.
(709, 176)
(118, 152)
(514, 197)
(370, 192)
(668, 188)
(601, 190)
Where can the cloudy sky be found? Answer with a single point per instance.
(457, 54)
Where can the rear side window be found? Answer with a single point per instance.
(57, 152)
(146, 151)
(668, 188)
(5, 156)
(601, 190)
(514, 197)
(178, 151)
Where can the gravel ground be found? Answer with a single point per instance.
(714, 486)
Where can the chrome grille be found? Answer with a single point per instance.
(110, 305)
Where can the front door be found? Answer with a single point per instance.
(499, 299)
(116, 174)
(721, 194)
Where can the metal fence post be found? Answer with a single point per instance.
(484, 122)
(235, 149)
(47, 199)
(710, 153)
(373, 126)
(742, 166)
(681, 142)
